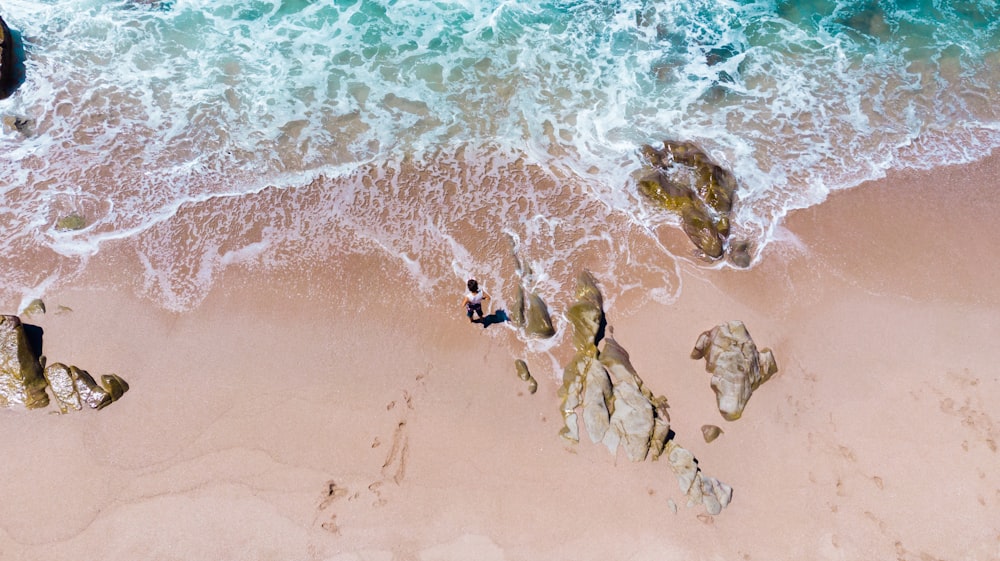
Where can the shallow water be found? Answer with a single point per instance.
(210, 133)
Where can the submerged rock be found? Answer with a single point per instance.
(684, 180)
(736, 366)
(71, 222)
(524, 374)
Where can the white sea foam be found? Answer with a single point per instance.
(151, 118)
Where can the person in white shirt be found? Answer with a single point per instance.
(474, 300)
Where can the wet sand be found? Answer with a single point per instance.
(329, 414)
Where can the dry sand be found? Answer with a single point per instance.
(320, 415)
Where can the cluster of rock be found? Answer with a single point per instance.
(523, 373)
(617, 408)
(24, 376)
(683, 179)
(736, 366)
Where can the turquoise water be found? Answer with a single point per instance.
(204, 104)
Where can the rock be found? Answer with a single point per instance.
(710, 432)
(524, 374)
(597, 401)
(538, 322)
(36, 306)
(684, 180)
(71, 222)
(516, 312)
(740, 254)
(632, 420)
(683, 464)
(736, 366)
(587, 320)
(22, 382)
(114, 385)
(7, 61)
(23, 125)
(74, 387)
(91, 394)
(615, 358)
(571, 392)
(63, 383)
(661, 427)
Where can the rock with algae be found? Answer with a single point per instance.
(21, 380)
(523, 373)
(538, 322)
(683, 179)
(34, 307)
(71, 222)
(586, 315)
(736, 366)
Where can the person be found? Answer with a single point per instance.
(474, 300)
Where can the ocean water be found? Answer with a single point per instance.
(488, 138)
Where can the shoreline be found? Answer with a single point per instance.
(332, 415)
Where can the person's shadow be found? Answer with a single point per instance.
(498, 316)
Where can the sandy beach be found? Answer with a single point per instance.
(336, 414)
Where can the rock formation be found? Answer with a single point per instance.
(684, 180)
(23, 379)
(618, 409)
(736, 366)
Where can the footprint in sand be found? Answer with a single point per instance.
(393, 468)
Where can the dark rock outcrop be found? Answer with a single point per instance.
(684, 180)
(736, 366)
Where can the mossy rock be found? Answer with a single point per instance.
(114, 385)
(72, 222)
(684, 180)
(34, 307)
(538, 320)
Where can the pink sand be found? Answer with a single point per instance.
(346, 423)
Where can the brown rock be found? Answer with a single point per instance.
(22, 382)
(523, 373)
(683, 179)
(538, 321)
(736, 366)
